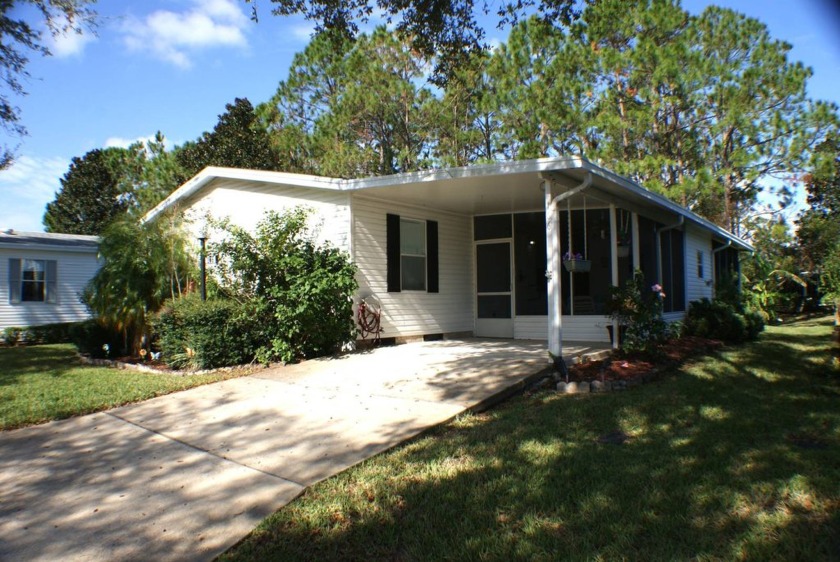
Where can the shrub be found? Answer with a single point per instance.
(50, 333)
(300, 293)
(94, 339)
(723, 321)
(12, 335)
(198, 334)
(638, 309)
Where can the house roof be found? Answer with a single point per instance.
(479, 189)
(16, 240)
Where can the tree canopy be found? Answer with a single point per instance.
(20, 38)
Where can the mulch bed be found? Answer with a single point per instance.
(624, 368)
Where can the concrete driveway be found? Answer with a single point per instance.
(185, 476)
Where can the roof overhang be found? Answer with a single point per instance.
(475, 190)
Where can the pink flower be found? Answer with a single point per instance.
(657, 288)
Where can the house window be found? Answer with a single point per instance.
(413, 255)
(411, 251)
(33, 286)
(32, 280)
(700, 264)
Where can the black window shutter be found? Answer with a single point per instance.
(14, 280)
(432, 269)
(392, 252)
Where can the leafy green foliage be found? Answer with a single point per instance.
(301, 293)
(236, 142)
(91, 195)
(638, 310)
(722, 321)
(142, 265)
(196, 334)
(94, 338)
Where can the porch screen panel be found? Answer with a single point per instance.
(493, 268)
(673, 270)
(491, 227)
(530, 264)
(494, 306)
(647, 251)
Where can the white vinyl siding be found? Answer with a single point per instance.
(245, 204)
(575, 328)
(696, 288)
(73, 272)
(413, 313)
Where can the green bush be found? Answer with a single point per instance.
(92, 338)
(197, 334)
(300, 293)
(638, 310)
(12, 335)
(722, 321)
(50, 333)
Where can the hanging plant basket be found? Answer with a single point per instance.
(623, 250)
(577, 266)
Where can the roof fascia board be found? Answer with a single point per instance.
(662, 201)
(211, 173)
(49, 248)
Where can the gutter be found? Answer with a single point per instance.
(587, 181)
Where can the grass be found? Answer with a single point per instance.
(734, 457)
(47, 382)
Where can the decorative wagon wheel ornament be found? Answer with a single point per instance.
(368, 317)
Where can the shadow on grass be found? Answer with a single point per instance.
(714, 467)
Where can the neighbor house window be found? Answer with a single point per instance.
(32, 280)
(413, 254)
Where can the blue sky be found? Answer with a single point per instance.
(172, 65)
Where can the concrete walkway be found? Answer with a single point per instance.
(185, 476)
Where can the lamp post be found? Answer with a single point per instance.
(202, 239)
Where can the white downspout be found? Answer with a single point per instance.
(554, 263)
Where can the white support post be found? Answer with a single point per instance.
(553, 261)
(614, 265)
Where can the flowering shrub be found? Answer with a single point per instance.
(638, 310)
(572, 256)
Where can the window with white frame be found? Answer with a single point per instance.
(33, 284)
(700, 272)
(413, 254)
(32, 280)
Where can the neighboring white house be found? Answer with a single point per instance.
(478, 250)
(42, 276)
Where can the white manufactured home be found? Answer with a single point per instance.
(524, 249)
(42, 276)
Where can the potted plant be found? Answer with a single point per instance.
(574, 263)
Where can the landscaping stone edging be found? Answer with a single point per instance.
(151, 370)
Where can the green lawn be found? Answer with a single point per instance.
(736, 456)
(47, 382)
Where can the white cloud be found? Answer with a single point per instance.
(302, 32)
(121, 142)
(69, 44)
(176, 36)
(26, 188)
